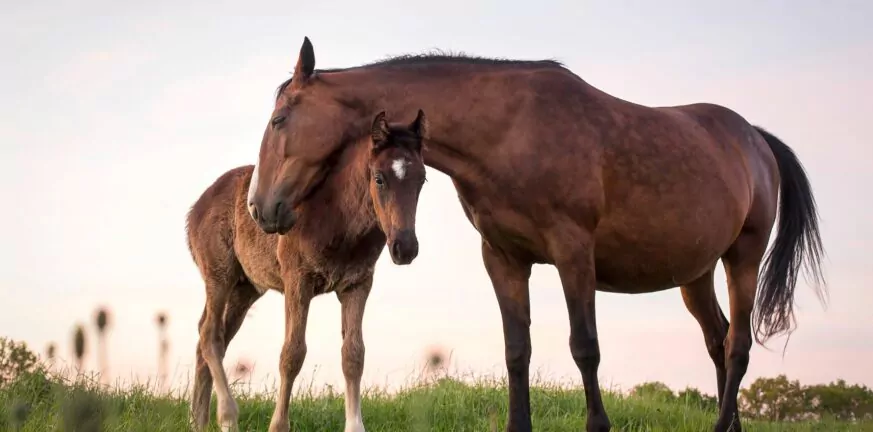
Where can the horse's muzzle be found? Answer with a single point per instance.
(276, 217)
(403, 247)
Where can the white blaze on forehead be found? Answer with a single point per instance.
(252, 188)
(399, 167)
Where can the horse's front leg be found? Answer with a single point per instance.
(353, 302)
(510, 279)
(576, 269)
(298, 294)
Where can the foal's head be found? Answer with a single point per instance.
(396, 176)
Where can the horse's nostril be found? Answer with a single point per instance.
(254, 212)
(278, 209)
(395, 249)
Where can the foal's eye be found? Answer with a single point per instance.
(277, 120)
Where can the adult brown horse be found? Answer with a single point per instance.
(370, 197)
(619, 197)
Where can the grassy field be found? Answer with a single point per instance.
(35, 403)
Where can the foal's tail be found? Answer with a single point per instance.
(798, 243)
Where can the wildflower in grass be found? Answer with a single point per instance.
(163, 349)
(102, 322)
(79, 346)
(50, 351)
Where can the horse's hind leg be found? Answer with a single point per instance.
(212, 349)
(353, 302)
(241, 299)
(699, 297)
(200, 400)
(741, 263)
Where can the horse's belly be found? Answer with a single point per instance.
(257, 257)
(262, 273)
(640, 272)
(659, 257)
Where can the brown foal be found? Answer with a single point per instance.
(367, 200)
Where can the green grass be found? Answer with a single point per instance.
(37, 403)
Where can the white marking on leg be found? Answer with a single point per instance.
(227, 410)
(252, 189)
(399, 167)
(354, 419)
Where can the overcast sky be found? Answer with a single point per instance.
(115, 116)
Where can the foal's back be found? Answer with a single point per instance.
(223, 238)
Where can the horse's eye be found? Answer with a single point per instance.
(379, 181)
(277, 120)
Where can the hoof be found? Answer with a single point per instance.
(598, 424)
(354, 427)
(728, 426)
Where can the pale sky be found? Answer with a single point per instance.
(115, 116)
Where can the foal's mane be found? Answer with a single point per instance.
(436, 57)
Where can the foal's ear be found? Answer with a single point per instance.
(419, 125)
(379, 130)
(305, 62)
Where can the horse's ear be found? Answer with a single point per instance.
(379, 130)
(305, 62)
(419, 125)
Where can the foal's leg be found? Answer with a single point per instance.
(510, 279)
(212, 348)
(699, 297)
(353, 302)
(741, 264)
(242, 298)
(298, 294)
(579, 282)
(202, 394)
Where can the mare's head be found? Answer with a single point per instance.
(396, 176)
(308, 128)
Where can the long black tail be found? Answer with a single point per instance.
(798, 244)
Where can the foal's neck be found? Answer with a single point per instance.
(349, 191)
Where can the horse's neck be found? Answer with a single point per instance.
(461, 131)
(488, 102)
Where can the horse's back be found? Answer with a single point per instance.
(210, 222)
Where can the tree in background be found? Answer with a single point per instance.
(840, 401)
(775, 399)
(779, 399)
(653, 390)
(15, 359)
(693, 397)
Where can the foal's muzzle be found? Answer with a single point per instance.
(403, 248)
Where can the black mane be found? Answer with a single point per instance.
(435, 58)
